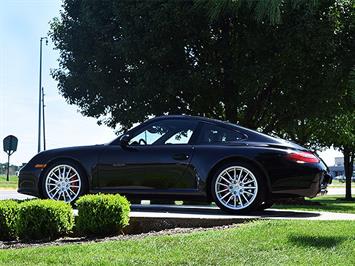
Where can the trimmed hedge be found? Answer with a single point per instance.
(44, 219)
(8, 216)
(102, 214)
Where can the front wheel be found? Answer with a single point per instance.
(63, 181)
(238, 188)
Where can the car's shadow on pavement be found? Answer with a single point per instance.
(215, 212)
(287, 214)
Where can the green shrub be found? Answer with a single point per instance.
(8, 217)
(102, 214)
(44, 219)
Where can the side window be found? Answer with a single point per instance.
(181, 137)
(149, 135)
(213, 134)
(165, 132)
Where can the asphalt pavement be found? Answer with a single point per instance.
(336, 191)
(12, 194)
(201, 214)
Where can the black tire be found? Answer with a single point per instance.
(83, 189)
(259, 195)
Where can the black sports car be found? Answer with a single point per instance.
(181, 158)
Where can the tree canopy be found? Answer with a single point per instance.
(276, 66)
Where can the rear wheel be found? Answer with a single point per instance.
(238, 188)
(64, 181)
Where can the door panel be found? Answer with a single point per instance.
(147, 167)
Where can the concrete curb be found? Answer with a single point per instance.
(138, 225)
(147, 218)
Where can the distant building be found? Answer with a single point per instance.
(338, 168)
(339, 161)
(12, 170)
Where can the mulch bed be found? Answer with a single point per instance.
(88, 240)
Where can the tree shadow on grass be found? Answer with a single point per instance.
(332, 207)
(317, 242)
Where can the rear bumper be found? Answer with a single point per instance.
(306, 180)
(28, 182)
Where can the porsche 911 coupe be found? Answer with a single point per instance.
(181, 158)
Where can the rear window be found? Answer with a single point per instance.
(213, 134)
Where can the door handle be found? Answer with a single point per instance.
(180, 156)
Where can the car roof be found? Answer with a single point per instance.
(208, 120)
(191, 117)
(205, 119)
(252, 134)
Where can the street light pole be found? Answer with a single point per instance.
(44, 121)
(40, 92)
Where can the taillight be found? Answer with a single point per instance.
(303, 157)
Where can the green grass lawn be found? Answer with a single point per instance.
(12, 183)
(255, 243)
(328, 203)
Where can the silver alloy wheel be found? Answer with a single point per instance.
(236, 187)
(63, 182)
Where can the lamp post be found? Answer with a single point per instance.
(44, 121)
(40, 91)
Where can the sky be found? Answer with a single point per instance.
(22, 24)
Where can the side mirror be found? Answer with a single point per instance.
(125, 140)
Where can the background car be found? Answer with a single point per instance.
(181, 158)
(340, 178)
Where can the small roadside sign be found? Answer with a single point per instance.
(10, 146)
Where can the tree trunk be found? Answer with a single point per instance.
(348, 169)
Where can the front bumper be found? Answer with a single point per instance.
(28, 182)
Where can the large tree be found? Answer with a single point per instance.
(271, 67)
(338, 130)
(278, 66)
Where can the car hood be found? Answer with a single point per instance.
(74, 148)
(48, 155)
(70, 149)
